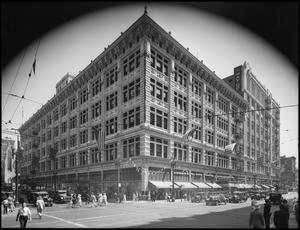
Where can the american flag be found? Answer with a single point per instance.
(188, 134)
(229, 148)
(100, 138)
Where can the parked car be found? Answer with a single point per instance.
(45, 196)
(213, 200)
(255, 195)
(198, 197)
(60, 196)
(239, 196)
(275, 198)
(48, 201)
(223, 198)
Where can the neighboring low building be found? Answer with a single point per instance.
(288, 171)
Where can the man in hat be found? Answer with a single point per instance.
(281, 217)
(256, 218)
(267, 213)
(40, 205)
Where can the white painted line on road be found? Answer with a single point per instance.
(69, 222)
(97, 217)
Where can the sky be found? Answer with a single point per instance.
(221, 43)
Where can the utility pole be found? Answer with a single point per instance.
(118, 165)
(173, 163)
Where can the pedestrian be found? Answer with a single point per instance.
(149, 196)
(267, 213)
(79, 201)
(281, 218)
(297, 213)
(10, 203)
(133, 197)
(40, 205)
(294, 203)
(124, 197)
(100, 199)
(74, 201)
(70, 201)
(94, 200)
(286, 207)
(5, 205)
(23, 215)
(104, 199)
(88, 197)
(253, 203)
(256, 218)
(137, 196)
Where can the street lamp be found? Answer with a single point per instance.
(118, 164)
(173, 164)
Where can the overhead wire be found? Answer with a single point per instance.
(14, 95)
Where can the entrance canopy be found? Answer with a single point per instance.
(213, 185)
(185, 185)
(201, 185)
(163, 184)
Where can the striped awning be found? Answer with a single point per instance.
(201, 185)
(163, 184)
(213, 185)
(185, 185)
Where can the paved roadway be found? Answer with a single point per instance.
(160, 214)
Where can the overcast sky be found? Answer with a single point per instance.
(222, 44)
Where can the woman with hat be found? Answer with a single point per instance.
(256, 218)
(40, 205)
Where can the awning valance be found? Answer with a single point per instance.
(244, 186)
(185, 185)
(256, 186)
(201, 185)
(213, 185)
(163, 184)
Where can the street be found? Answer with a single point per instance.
(160, 214)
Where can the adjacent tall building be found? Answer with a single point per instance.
(8, 172)
(144, 92)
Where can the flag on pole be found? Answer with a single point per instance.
(100, 138)
(53, 153)
(33, 66)
(188, 134)
(229, 148)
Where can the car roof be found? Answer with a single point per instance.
(41, 193)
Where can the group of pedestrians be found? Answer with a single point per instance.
(75, 201)
(8, 204)
(281, 217)
(101, 201)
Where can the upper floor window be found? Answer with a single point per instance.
(112, 126)
(196, 110)
(131, 90)
(159, 90)
(180, 101)
(223, 104)
(112, 101)
(96, 87)
(72, 103)
(131, 118)
(55, 115)
(158, 147)
(96, 109)
(158, 118)
(197, 87)
(196, 155)
(63, 109)
(131, 147)
(159, 62)
(180, 152)
(180, 76)
(84, 116)
(131, 62)
(210, 96)
(83, 95)
(111, 76)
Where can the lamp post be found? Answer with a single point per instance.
(254, 179)
(118, 164)
(173, 164)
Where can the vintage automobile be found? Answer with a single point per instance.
(255, 195)
(238, 197)
(215, 200)
(199, 197)
(275, 198)
(59, 196)
(224, 198)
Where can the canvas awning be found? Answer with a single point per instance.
(265, 186)
(201, 185)
(245, 186)
(163, 184)
(256, 186)
(272, 186)
(213, 185)
(230, 185)
(185, 185)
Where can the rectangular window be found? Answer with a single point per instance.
(209, 137)
(49, 119)
(63, 144)
(63, 162)
(209, 116)
(49, 134)
(131, 90)
(159, 62)
(131, 147)
(55, 115)
(180, 101)
(210, 96)
(179, 125)
(209, 159)
(180, 152)
(84, 116)
(158, 118)
(55, 131)
(131, 118)
(223, 104)
(222, 161)
(96, 109)
(196, 110)
(96, 87)
(72, 160)
(159, 90)
(158, 147)
(83, 158)
(112, 126)
(112, 101)
(73, 140)
(222, 141)
(197, 87)
(64, 127)
(131, 62)
(196, 155)
(83, 136)
(95, 156)
(222, 123)
(73, 122)
(72, 103)
(111, 76)
(83, 96)
(111, 152)
(180, 76)
(63, 109)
